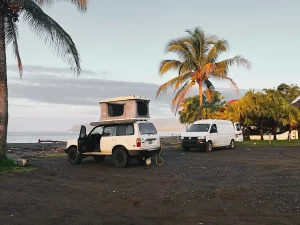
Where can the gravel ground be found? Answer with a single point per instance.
(259, 185)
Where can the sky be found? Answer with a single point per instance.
(121, 44)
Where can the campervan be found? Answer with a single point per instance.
(123, 132)
(208, 134)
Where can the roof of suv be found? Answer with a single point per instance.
(108, 122)
(123, 98)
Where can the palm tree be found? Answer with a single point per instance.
(197, 65)
(45, 27)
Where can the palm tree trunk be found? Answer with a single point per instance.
(201, 99)
(261, 130)
(3, 91)
(275, 130)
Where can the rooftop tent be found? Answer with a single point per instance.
(128, 107)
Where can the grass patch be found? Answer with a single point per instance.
(9, 165)
(266, 143)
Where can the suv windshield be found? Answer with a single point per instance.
(199, 128)
(147, 128)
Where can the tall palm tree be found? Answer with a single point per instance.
(197, 65)
(45, 27)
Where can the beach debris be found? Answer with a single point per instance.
(23, 162)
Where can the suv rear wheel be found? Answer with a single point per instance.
(74, 157)
(120, 158)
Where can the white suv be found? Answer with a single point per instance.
(120, 139)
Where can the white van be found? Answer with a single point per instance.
(208, 134)
(122, 140)
(238, 132)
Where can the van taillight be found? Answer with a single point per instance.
(138, 142)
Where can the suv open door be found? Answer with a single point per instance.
(82, 140)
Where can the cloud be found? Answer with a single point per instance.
(40, 85)
(60, 99)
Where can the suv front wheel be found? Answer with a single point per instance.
(74, 156)
(120, 158)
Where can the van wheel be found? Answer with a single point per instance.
(209, 146)
(120, 158)
(99, 158)
(232, 144)
(186, 149)
(74, 157)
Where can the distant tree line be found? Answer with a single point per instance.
(269, 110)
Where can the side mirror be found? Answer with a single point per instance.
(82, 132)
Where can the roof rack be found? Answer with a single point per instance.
(119, 121)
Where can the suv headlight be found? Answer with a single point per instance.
(181, 137)
(201, 137)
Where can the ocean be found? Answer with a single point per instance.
(34, 136)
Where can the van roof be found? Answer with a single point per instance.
(210, 121)
(123, 98)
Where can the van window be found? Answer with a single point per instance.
(213, 128)
(199, 128)
(147, 128)
(115, 109)
(124, 130)
(238, 127)
(142, 108)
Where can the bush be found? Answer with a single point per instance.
(7, 165)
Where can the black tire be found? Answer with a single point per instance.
(120, 158)
(232, 144)
(74, 157)
(209, 146)
(99, 158)
(186, 149)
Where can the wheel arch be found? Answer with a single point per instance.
(119, 146)
(71, 146)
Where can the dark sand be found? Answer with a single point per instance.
(257, 186)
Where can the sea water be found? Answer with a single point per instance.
(34, 136)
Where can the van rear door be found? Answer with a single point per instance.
(238, 132)
(148, 135)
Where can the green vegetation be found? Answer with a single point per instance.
(198, 64)
(9, 166)
(266, 143)
(269, 111)
(45, 28)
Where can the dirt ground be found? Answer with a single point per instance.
(259, 185)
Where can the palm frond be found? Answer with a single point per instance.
(207, 70)
(181, 48)
(164, 87)
(11, 36)
(238, 60)
(218, 47)
(180, 95)
(219, 77)
(81, 4)
(183, 78)
(44, 26)
(167, 65)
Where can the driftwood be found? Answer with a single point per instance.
(49, 141)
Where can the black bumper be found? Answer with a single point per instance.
(193, 143)
(145, 153)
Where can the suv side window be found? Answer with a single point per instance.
(125, 130)
(108, 131)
